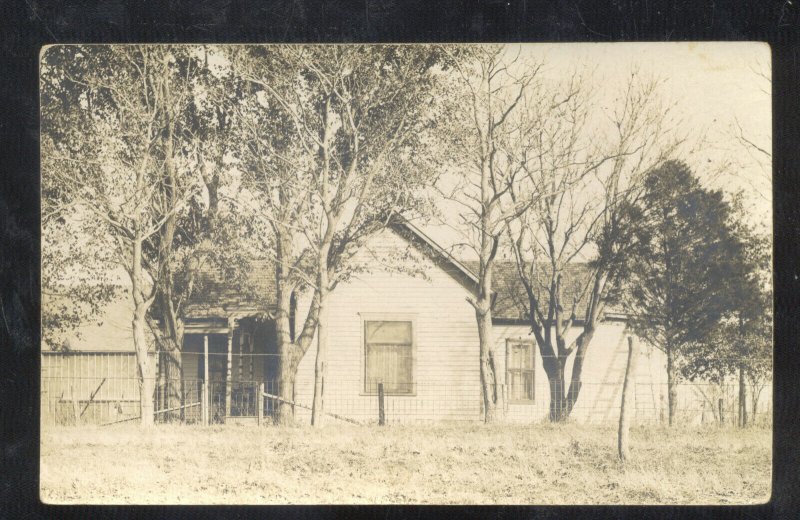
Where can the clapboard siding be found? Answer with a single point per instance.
(602, 377)
(446, 342)
(603, 369)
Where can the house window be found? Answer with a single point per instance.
(388, 351)
(520, 367)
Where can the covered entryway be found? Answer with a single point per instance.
(227, 362)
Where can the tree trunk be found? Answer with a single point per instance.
(577, 370)
(487, 373)
(284, 335)
(672, 386)
(628, 401)
(742, 399)
(291, 353)
(291, 348)
(146, 376)
(755, 396)
(177, 382)
(323, 283)
(555, 370)
(170, 364)
(171, 324)
(169, 381)
(162, 373)
(285, 411)
(141, 305)
(171, 358)
(318, 405)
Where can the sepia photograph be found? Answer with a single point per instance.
(535, 274)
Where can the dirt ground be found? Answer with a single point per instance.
(440, 464)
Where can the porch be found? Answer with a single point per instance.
(224, 369)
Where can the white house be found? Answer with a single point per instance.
(417, 335)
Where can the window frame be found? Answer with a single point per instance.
(532, 344)
(374, 316)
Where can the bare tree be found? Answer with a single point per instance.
(347, 158)
(758, 162)
(585, 175)
(489, 93)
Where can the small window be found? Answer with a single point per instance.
(520, 367)
(388, 351)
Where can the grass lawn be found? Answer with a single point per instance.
(436, 464)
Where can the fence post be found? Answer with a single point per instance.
(204, 403)
(205, 380)
(381, 412)
(260, 403)
(742, 399)
(721, 412)
(229, 371)
(628, 395)
(74, 406)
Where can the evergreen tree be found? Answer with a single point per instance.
(685, 267)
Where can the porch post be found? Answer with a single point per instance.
(250, 351)
(241, 360)
(205, 379)
(228, 372)
(260, 403)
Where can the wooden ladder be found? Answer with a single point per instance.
(612, 381)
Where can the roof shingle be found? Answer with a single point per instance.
(219, 294)
(511, 302)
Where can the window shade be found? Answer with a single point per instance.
(389, 360)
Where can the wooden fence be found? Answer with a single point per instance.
(88, 387)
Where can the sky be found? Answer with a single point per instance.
(714, 86)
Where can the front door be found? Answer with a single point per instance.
(216, 375)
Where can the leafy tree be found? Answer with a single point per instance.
(77, 271)
(741, 344)
(208, 235)
(112, 156)
(336, 149)
(684, 267)
(77, 278)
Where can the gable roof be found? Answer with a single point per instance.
(229, 298)
(510, 303)
(219, 297)
(511, 300)
(440, 256)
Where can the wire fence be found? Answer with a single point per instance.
(430, 401)
(104, 389)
